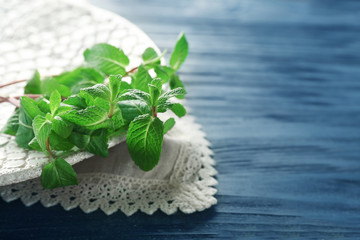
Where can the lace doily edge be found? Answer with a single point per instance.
(202, 190)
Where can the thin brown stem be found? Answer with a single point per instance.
(48, 148)
(11, 83)
(14, 100)
(153, 111)
(18, 81)
(131, 71)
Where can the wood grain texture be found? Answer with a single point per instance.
(276, 86)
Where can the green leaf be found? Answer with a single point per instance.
(61, 127)
(93, 117)
(117, 117)
(30, 107)
(97, 91)
(178, 109)
(62, 109)
(79, 140)
(34, 144)
(175, 82)
(155, 90)
(44, 105)
(132, 108)
(169, 124)
(12, 124)
(48, 85)
(81, 77)
(59, 143)
(33, 85)
(107, 58)
(25, 132)
(169, 94)
(58, 173)
(115, 86)
(55, 100)
(124, 87)
(144, 141)
(149, 55)
(98, 144)
(76, 101)
(161, 73)
(135, 94)
(141, 79)
(180, 52)
(42, 129)
(102, 103)
(28, 111)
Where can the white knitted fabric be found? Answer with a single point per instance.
(50, 36)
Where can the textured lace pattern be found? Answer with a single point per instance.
(50, 36)
(190, 186)
(189, 189)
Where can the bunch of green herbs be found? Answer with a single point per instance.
(82, 109)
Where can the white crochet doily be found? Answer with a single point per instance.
(50, 36)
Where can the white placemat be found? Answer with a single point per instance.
(50, 36)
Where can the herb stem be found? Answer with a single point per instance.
(131, 71)
(153, 111)
(11, 83)
(48, 148)
(18, 81)
(111, 110)
(14, 100)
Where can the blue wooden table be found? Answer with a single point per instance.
(276, 86)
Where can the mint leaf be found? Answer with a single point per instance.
(58, 173)
(48, 85)
(93, 117)
(79, 140)
(178, 109)
(98, 144)
(175, 82)
(117, 117)
(124, 87)
(169, 94)
(135, 94)
(59, 143)
(180, 52)
(42, 129)
(34, 144)
(62, 109)
(141, 79)
(98, 90)
(155, 90)
(25, 132)
(149, 55)
(169, 124)
(30, 107)
(12, 124)
(81, 77)
(33, 85)
(61, 127)
(107, 58)
(44, 105)
(55, 100)
(132, 108)
(103, 104)
(76, 101)
(161, 73)
(144, 141)
(114, 85)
